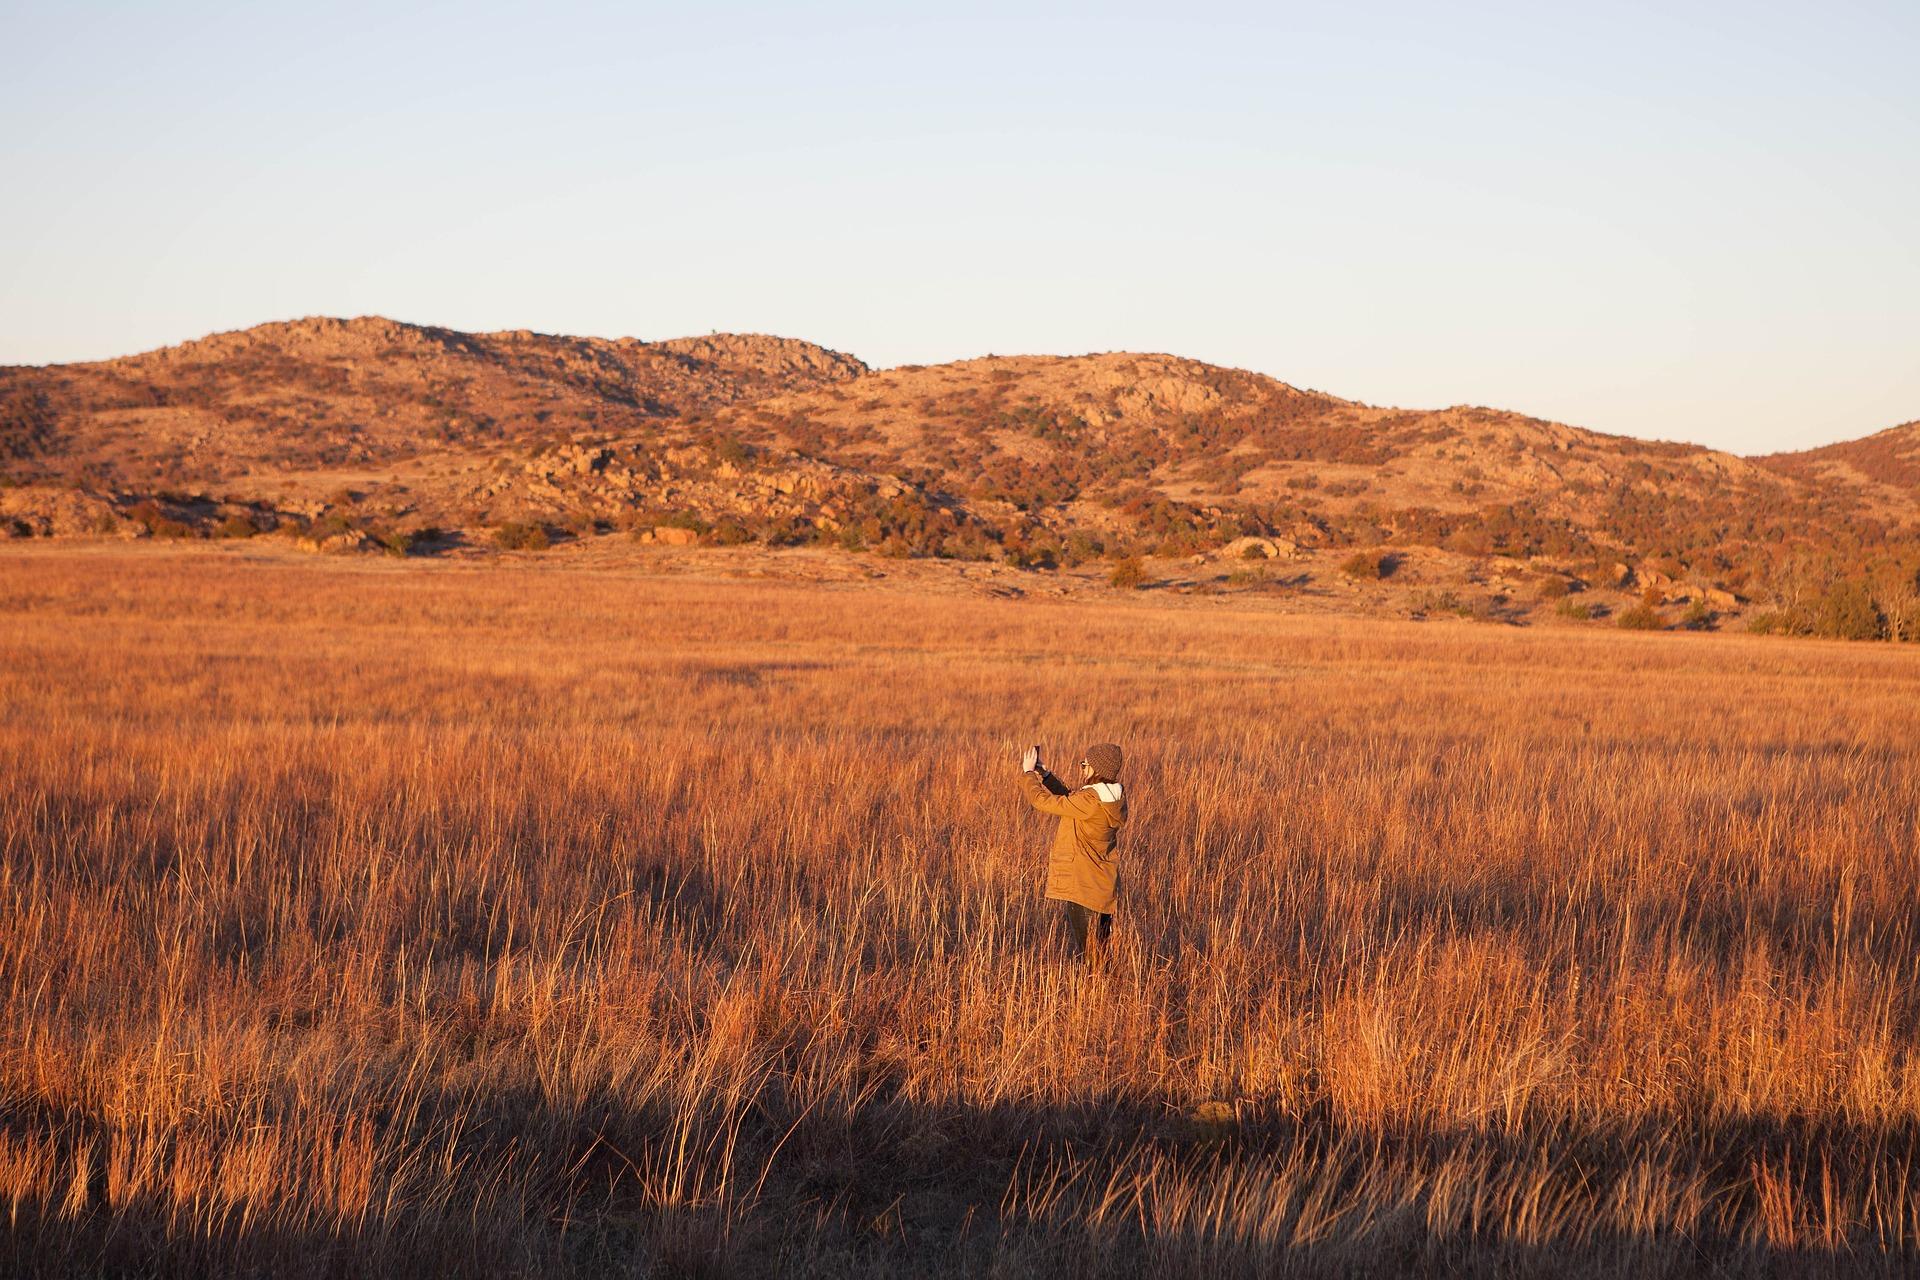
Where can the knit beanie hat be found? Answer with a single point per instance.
(1104, 760)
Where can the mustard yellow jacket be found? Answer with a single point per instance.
(1081, 866)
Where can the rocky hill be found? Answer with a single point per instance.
(1882, 469)
(368, 432)
(1183, 456)
(322, 392)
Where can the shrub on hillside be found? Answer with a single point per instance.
(330, 525)
(1470, 540)
(1578, 610)
(730, 449)
(1253, 575)
(236, 526)
(789, 531)
(1027, 556)
(517, 536)
(1363, 564)
(1847, 612)
(670, 520)
(158, 523)
(1081, 547)
(1433, 600)
(1642, 617)
(1129, 575)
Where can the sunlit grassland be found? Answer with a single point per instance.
(396, 917)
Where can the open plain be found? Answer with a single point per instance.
(551, 917)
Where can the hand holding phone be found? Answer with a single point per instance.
(1031, 760)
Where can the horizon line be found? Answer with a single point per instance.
(989, 355)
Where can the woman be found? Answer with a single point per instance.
(1081, 868)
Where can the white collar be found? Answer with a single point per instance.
(1107, 791)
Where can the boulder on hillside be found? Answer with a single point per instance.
(1247, 548)
(582, 459)
(1646, 575)
(47, 511)
(338, 544)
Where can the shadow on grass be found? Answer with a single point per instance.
(881, 1186)
(1797, 926)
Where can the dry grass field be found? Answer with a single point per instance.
(408, 918)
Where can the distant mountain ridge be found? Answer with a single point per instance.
(323, 391)
(1032, 460)
(1889, 458)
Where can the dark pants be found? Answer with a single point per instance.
(1090, 930)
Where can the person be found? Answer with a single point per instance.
(1082, 871)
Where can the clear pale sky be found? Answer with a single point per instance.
(1689, 221)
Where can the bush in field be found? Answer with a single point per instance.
(1578, 610)
(917, 525)
(1552, 587)
(1847, 612)
(1698, 617)
(158, 523)
(1642, 617)
(1438, 601)
(729, 449)
(236, 527)
(1363, 564)
(1031, 556)
(330, 525)
(1129, 575)
(1081, 547)
(790, 531)
(1471, 540)
(1486, 608)
(516, 536)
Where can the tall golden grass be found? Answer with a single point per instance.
(418, 919)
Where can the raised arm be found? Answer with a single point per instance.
(1047, 794)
